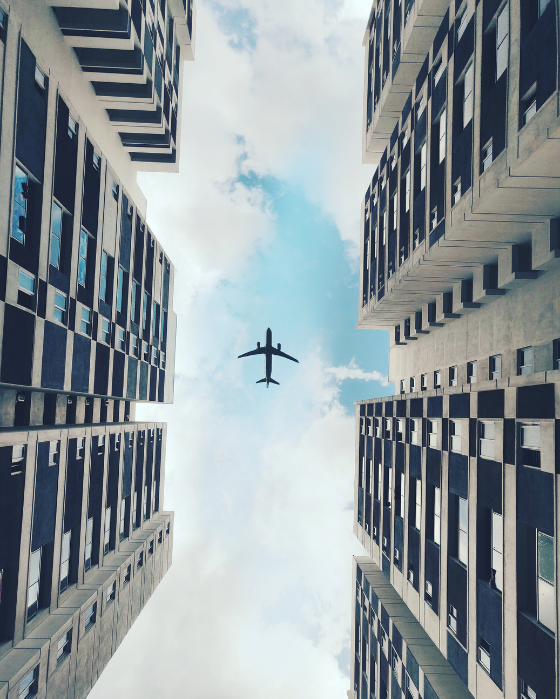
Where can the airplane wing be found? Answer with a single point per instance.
(278, 353)
(259, 350)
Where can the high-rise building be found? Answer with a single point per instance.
(456, 498)
(90, 95)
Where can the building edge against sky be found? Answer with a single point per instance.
(456, 480)
(91, 94)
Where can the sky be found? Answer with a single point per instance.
(262, 223)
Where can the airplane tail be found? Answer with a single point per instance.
(269, 381)
(261, 381)
(273, 381)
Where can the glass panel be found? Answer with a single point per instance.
(487, 448)
(545, 547)
(531, 436)
(56, 229)
(35, 566)
(26, 282)
(547, 610)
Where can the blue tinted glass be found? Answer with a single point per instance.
(102, 287)
(18, 223)
(20, 186)
(104, 264)
(83, 244)
(26, 282)
(82, 271)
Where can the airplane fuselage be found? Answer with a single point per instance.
(268, 356)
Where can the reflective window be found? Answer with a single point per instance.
(82, 258)
(496, 367)
(56, 235)
(64, 646)
(497, 551)
(546, 598)
(21, 192)
(85, 322)
(463, 543)
(59, 312)
(502, 44)
(33, 585)
(65, 560)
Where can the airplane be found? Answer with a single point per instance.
(268, 350)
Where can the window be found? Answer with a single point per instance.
(468, 85)
(437, 516)
(529, 111)
(423, 382)
(135, 510)
(432, 434)
(65, 560)
(438, 70)
(433, 218)
(120, 279)
(89, 541)
(154, 356)
(96, 160)
(63, 646)
(85, 322)
(34, 583)
(56, 235)
(115, 191)
(403, 389)
(496, 367)
(412, 384)
(145, 352)
(135, 348)
(26, 283)
(525, 361)
(145, 503)
(107, 534)
(487, 156)
(378, 427)
(53, 452)
(497, 559)
(452, 619)
(463, 530)
(420, 107)
(525, 691)
(29, 685)
(101, 444)
(111, 593)
(126, 578)
(18, 462)
(416, 238)
(59, 313)
(411, 574)
(387, 428)
(484, 653)
(90, 616)
(82, 258)
(134, 300)
(167, 528)
(462, 23)
(145, 312)
(122, 520)
(546, 608)
(160, 536)
(103, 277)
(40, 78)
(151, 547)
(455, 435)
(407, 190)
(140, 560)
(80, 443)
(530, 445)
(502, 29)
(72, 127)
(456, 191)
(486, 441)
(21, 193)
(442, 136)
(423, 167)
(105, 331)
(452, 375)
(414, 431)
(418, 504)
(437, 379)
(400, 495)
(162, 359)
(121, 339)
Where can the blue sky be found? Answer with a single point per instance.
(262, 223)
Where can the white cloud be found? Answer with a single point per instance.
(353, 371)
(257, 601)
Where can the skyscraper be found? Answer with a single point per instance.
(90, 94)
(456, 496)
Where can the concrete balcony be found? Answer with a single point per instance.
(119, 54)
